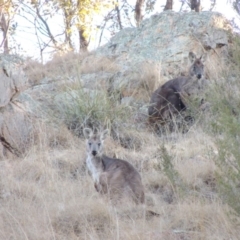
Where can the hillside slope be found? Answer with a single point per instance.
(190, 179)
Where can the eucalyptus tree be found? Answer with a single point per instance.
(8, 10)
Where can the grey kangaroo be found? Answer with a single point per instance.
(111, 176)
(167, 100)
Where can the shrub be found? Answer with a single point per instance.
(80, 107)
(225, 126)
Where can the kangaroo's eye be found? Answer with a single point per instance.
(99, 144)
(89, 144)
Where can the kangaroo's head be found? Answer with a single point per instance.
(197, 67)
(95, 141)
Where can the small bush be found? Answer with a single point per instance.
(81, 107)
(170, 172)
(225, 127)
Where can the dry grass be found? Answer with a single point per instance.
(60, 67)
(34, 71)
(49, 194)
(93, 64)
(140, 80)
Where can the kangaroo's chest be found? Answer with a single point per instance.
(95, 167)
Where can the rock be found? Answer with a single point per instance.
(169, 36)
(15, 129)
(13, 79)
(162, 44)
(14, 126)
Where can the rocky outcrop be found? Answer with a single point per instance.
(132, 64)
(14, 125)
(13, 79)
(158, 50)
(167, 37)
(145, 57)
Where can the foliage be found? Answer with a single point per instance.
(225, 127)
(170, 172)
(81, 14)
(74, 18)
(91, 108)
(7, 12)
(234, 51)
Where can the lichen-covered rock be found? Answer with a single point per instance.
(12, 78)
(164, 40)
(15, 129)
(169, 36)
(14, 123)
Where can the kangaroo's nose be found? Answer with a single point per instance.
(94, 153)
(199, 76)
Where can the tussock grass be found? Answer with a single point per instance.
(50, 195)
(211, 220)
(80, 107)
(93, 63)
(142, 79)
(222, 122)
(34, 71)
(63, 66)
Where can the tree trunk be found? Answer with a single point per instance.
(195, 5)
(4, 28)
(83, 40)
(138, 11)
(118, 16)
(68, 40)
(169, 5)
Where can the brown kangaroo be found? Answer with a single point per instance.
(111, 176)
(167, 100)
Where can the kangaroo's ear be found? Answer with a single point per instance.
(203, 58)
(87, 132)
(192, 57)
(104, 134)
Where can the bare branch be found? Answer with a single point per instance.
(119, 16)
(47, 27)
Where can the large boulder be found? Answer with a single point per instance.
(169, 36)
(15, 129)
(13, 79)
(14, 121)
(158, 50)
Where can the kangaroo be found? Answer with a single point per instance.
(111, 176)
(167, 100)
